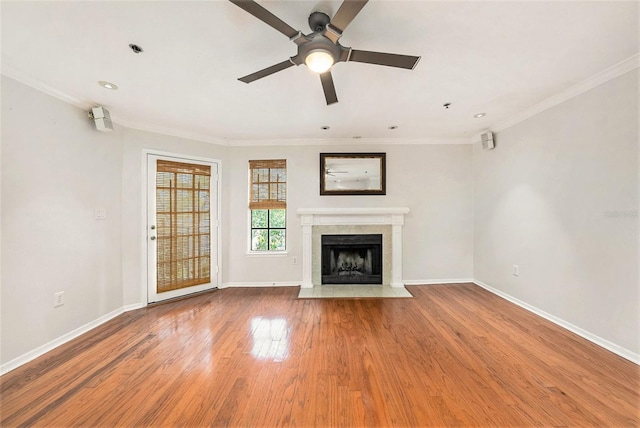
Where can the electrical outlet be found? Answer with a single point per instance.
(294, 260)
(516, 270)
(58, 299)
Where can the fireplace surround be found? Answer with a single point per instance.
(336, 221)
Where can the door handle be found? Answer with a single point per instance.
(153, 238)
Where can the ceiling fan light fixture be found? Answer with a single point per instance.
(319, 60)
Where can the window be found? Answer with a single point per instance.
(268, 204)
(268, 230)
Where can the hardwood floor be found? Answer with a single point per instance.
(453, 355)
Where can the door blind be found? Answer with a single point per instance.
(183, 225)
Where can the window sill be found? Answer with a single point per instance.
(266, 253)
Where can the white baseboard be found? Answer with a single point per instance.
(616, 349)
(261, 284)
(35, 353)
(133, 307)
(41, 350)
(436, 281)
(297, 283)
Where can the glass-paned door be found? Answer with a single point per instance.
(182, 219)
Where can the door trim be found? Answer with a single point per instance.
(179, 157)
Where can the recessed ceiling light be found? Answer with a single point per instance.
(108, 85)
(324, 128)
(393, 127)
(479, 115)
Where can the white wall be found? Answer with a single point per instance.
(539, 200)
(558, 197)
(434, 181)
(56, 170)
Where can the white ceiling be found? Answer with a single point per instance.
(498, 57)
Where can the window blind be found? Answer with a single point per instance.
(268, 184)
(183, 225)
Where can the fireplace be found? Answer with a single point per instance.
(316, 222)
(352, 259)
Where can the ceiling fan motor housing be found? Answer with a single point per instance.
(317, 41)
(318, 21)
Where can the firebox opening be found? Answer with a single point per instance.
(351, 259)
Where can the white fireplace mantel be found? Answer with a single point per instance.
(310, 217)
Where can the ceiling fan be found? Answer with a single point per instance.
(321, 49)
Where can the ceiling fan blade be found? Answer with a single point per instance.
(345, 14)
(266, 72)
(388, 59)
(329, 89)
(267, 17)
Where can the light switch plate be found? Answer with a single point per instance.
(58, 299)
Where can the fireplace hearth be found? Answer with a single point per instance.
(352, 259)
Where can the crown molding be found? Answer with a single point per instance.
(172, 132)
(594, 81)
(289, 142)
(598, 79)
(31, 81)
(345, 141)
(27, 79)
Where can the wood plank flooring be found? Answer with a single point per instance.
(455, 355)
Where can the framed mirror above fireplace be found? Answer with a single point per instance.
(352, 173)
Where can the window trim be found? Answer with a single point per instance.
(267, 253)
